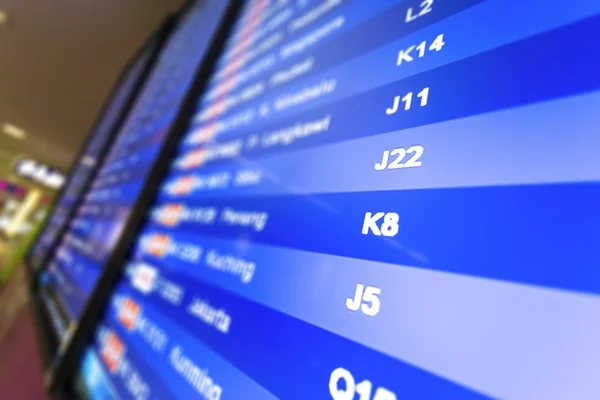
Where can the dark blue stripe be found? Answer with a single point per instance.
(542, 235)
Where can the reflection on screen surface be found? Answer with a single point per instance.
(377, 200)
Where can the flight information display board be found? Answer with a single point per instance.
(376, 200)
(88, 160)
(86, 247)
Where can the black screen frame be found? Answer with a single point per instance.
(59, 380)
(46, 336)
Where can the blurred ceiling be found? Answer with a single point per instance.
(58, 61)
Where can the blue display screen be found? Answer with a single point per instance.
(98, 224)
(377, 200)
(88, 161)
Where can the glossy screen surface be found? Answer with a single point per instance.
(378, 200)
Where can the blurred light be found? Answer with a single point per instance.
(88, 161)
(23, 211)
(14, 131)
(3, 17)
